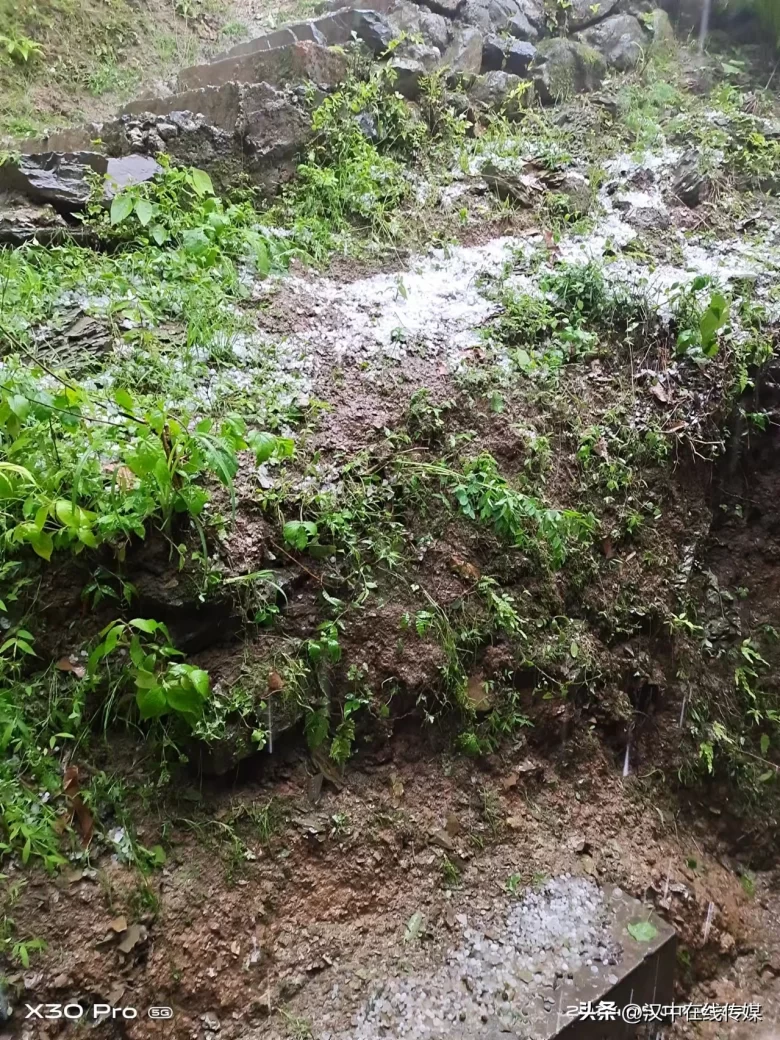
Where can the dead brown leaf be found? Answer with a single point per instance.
(79, 811)
(442, 839)
(453, 826)
(66, 665)
(275, 682)
(464, 569)
(135, 934)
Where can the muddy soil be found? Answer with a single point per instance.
(287, 886)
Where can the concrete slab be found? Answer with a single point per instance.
(523, 969)
(295, 33)
(297, 63)
(332, 29)
(220, 106)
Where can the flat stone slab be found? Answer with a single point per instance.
(64, 179)
(297, 63)
(522, 968)
(334, 27)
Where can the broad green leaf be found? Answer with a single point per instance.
(191, 499)
(137, 655)
(642, 931)
(195, 242)
(414, 927)
(159, 234)
(121, 208)
(144, 210)
(87, 537)
(201, 182)
(299, 533)
(316, 728)
(66, 512)
(41, 516)
(148, 625)
(185, 699)
(124, 399)
(151, 703)
(262, 444)
(157, 855)
(262, 259)
(43, 544)
(145, 680)
(19, 405)
(112, 638)
(200, 680)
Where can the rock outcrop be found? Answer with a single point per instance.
(65, 180)
(246, 113)
(620, 39)
(564, 67)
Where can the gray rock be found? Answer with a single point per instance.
(620, 39)
(507, 54)
(366, 123)
(373, 30)
(129, 169)
(583, 13)
(501, 91)
(336, 27)
(660, 28)
(493, 52)
(522, 29)
(565, 67)
(220, 106)
(519, 55)
(464, 54)
(576, 187)
(408, 74)
(448, 8)
(429, 57)
(64, 179)
(489, 15)
(22, 220)
(74, 139)
(167, 131)
(275, 128)
(435, 29)
(278, 38)
(690, 185)
(295, 64)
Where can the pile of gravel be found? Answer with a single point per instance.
(501, 968)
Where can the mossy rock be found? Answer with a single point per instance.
(566, 67)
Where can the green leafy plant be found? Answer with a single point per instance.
(90, 480)
(20, 49)
(482, 493)
(163, 686)
(700, 326)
